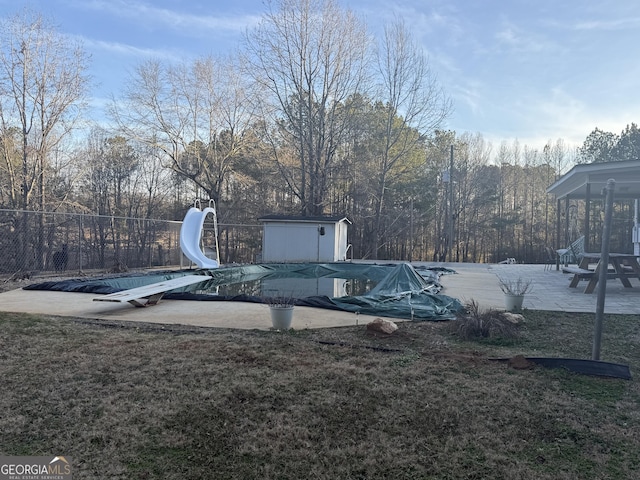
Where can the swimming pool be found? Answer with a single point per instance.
(393, 290)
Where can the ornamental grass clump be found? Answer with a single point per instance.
(280, 302)
(518, 286)
(475, 323)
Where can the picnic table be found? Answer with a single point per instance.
(624, 266)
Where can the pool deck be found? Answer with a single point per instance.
(478, 282)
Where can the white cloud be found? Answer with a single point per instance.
(130, 50)
(469, 93)
(516, 39)
(617, 24)
(144, 13)
(558, 113)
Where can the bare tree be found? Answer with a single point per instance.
(10, 168)
(562, 157)
(193, 114)
(414, 102)
(475, 195)
(308, 56)
(42, 91)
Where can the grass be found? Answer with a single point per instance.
(143, 402)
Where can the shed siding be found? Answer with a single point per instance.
(302, 242)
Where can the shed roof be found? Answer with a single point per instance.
(303, 219)
(573, 184)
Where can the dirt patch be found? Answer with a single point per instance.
(520, 363)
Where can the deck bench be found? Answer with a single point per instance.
(582, 272)
(148, 295)
(578, 274)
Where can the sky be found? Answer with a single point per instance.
(525, 70)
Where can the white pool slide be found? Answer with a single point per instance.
(190, 235)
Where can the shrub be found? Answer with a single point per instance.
(475, 323)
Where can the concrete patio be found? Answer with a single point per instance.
(479, 282)
(550, 289)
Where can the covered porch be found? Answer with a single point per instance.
(586, 182)
(590, 183)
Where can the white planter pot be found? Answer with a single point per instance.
(513, 302)
(281, 317)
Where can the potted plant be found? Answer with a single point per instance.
(281, 309)
(514, 292)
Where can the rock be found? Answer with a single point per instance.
(383, 326)
(515, 318)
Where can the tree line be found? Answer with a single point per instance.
(311, 117)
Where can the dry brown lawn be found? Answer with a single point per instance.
(131, 401)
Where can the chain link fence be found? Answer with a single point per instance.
(56, 242)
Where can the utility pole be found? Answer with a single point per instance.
(411, 230)
(451, 206)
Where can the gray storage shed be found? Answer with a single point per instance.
(304, 239)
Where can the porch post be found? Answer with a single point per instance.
(567, 240)
(587, 216)
(558, 231)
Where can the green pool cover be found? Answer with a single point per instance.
(401, 291)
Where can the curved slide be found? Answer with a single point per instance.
(190, 234)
